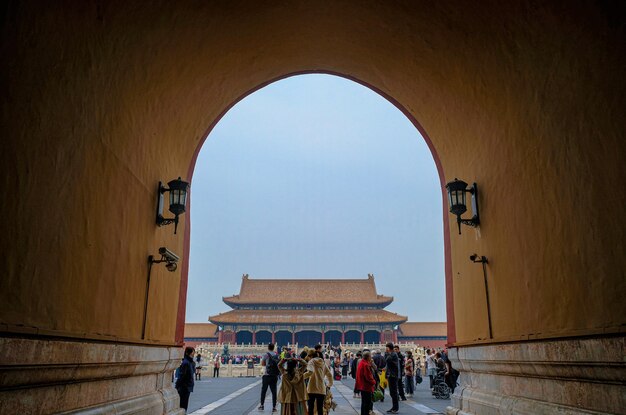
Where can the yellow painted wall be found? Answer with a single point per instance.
(101, 100)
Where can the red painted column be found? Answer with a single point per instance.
(343, 337)
(362, 337)
(293, 337)
(395, 337)
(220, 336)
(273, 337)
(254, 337)
(382, 337)
(323, 337)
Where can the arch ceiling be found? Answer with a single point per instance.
(95, 121)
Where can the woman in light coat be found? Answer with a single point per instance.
(292, 395)
(316, 372)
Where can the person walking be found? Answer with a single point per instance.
(365, 382)
(216, 367)
(409, 369)
(270, 376)
(393, 371)
(292, 395)
(344, 366)
(316, 388)
(431, 366)
(353, 368)
(185, 381)
(199, 364)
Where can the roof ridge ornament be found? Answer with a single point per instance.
(370, 276)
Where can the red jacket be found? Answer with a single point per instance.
(364, 378)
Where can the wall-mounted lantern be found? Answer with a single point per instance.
(456, 198)
(178, 200)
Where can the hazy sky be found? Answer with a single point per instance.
(316, 176)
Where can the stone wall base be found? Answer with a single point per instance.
(566, 377)
(42, 376)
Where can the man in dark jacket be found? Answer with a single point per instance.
(185, 381)
(353, 368)
(393, 372)
(401, 362)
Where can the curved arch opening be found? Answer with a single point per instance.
(445, 233)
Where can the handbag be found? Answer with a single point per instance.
(383, 379)
(418, 378)
(378, 395)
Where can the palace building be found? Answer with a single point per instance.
(307, 312)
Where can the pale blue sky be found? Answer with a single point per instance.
(316, 176)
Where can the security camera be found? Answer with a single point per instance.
(169, 256)
(480, 259)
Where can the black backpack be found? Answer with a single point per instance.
(272, 365)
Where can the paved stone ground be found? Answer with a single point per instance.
(240, 396)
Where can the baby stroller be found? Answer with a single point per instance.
(440, 389)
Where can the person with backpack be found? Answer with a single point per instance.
(270, 376)
(185, 379)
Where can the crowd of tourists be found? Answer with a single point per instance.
(374, 373)
(306, 378)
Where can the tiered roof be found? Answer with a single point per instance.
(307, 317)
(309, 291)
